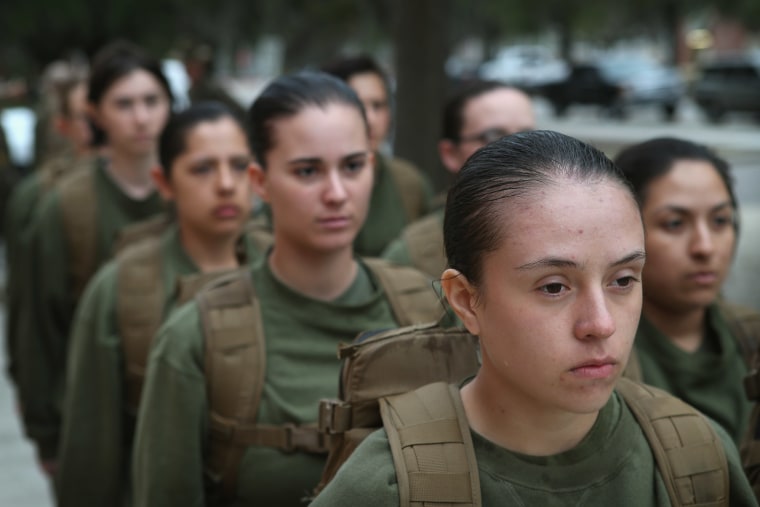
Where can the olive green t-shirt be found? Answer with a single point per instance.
(302, 335)
(710, 379)
(612, 465)
(42, 355)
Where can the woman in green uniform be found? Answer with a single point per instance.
(205, 161)
(401, 194)
(546, 247)
(129, 100)
(685, 343)
(202, 414)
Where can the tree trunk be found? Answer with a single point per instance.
(420, 36)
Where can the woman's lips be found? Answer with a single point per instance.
(595, 369)
(704, 277)
(335, 222)
(227, 211)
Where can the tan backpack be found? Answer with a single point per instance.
(235, 365)
(424, 241)
(410, 185)
(430, 438)
(140, 305)
(435, 460)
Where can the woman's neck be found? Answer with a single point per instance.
(217, 254)
(685, 329)
(520, 424)
(316, 275)
(131, 173)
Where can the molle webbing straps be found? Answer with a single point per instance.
(79, 203)
(424, 239)
(149, 228)
(386, 364)
(139, 312)
(234, 366)
(409, 292)
(409, 184)
(235, 358)
(688, 451)
(432, 447)
(744, 325)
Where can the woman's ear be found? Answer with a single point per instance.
(462, 297)
(162, 183)
(258, 180)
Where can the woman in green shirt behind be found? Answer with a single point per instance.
(685, 344)
(75, 225)
(205, 159)
(314, 169)
(546, 247)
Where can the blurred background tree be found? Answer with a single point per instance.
(413, 39)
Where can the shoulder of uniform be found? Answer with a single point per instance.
(230, 290)
(427, 225)
(376, 264)
(72, 182)
(141, 250)
(404, 167)
(738, 312)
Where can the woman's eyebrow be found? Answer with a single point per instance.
(558, 262)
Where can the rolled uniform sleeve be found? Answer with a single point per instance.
(91, 468)
(173, 418)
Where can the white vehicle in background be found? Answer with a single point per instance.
(525, 66)
(18, 124)
(179, 82)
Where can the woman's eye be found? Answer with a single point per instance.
(553, 289)
(240, 165)
(625, 281)
(202, 169)
(723, 220)
(306, 172)
(672, 225)
(353, 166)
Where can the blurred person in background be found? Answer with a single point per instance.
(199, 64)
(205, 161)
(690, 342)
(76, 223)
(476, 113)
(72, 125)
(401, 194)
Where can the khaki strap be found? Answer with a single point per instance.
(235, 366)
(286, 437)
(424, 240)
(79, 212)
(432, 447)
(410, 186)
(149, 228)
(633, 368)
(688, 451)
(409, 292)
(139, 312)
(744, 325)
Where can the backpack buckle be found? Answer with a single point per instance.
(334, 416)
(752, 385)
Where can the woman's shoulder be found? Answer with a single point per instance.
(367, 478)
(179, 341)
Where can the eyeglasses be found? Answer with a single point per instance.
(486, 137)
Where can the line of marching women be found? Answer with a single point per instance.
(188, 287)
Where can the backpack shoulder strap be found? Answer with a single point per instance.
(410, 293)
(79, 205)
(133, 233)
(424, 239)
(432, 447)
(744, 324)
(235, 365)
(687, 449)
(410, 185)
(234, 358)
(139, 311)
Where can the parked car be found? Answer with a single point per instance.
(524, 66)
(728, 85)
(617, 85)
